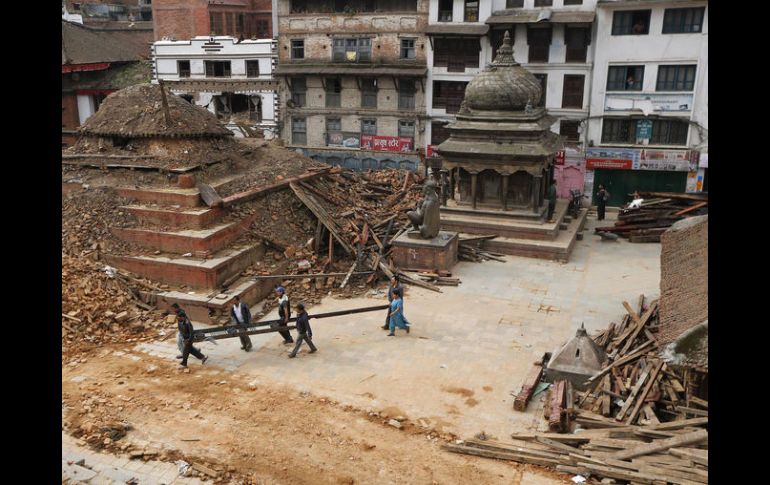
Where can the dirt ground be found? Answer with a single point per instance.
(250, 433)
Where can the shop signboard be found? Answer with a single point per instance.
(387, 143)
(648, 103)
(343, 139)
(430, 151)
(613, 158)
(644, 129)
(664, 160)
(704, 160)
(559, 158)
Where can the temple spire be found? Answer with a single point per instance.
(504, 55)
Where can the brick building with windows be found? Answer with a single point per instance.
(353, 80)
(648, 122)
(185, 19)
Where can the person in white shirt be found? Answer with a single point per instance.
(284, 313)
(241, 316)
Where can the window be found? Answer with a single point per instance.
(263, 29)
(368, 93)
(573, 2)
(439, 133)
(406, 92)
(333, 124)
(333, 92)
(445, 10)
(669, 132)
(619, 131)
(539, 40)
(456, 53)
(572, 96)
(683, 20)
(298, 49)
(252, 68)
(625, 78)
(675, 78)
(183, 67)
(471, 10)
(369, 127)
(406, 128)
(543, 78)
(217, 68)
(298, 91)
(577, 40)
(448, 95)
(351, 50)
(569, 130)
(496, 38)
(298, 131)
(241, 24)
(543, 3)
(631, 22)
(407, 49)
(216, 22)
(514, 3)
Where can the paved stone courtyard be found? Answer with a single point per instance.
(470, 346)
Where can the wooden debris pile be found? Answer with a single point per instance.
(675, 452)
(657, 212)
(471, 249)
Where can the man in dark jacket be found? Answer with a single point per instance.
(240, 316)
(186, 330)
(394, 285)
(551, 200)
(602, 196)
(303, 331)
(284, 313)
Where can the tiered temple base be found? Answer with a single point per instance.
(519, 234)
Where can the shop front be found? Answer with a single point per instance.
(623, 171)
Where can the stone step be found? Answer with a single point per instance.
(558, 249)
(207, 307)
(166, 196)
(200, 242)
(187, 218)
(191, 272)
(504, 227)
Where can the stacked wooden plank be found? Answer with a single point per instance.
(657, 212)
(471, 249)
(675, 452)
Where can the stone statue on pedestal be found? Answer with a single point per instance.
(426, 218)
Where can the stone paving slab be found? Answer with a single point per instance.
(470, 346)
(107, 469)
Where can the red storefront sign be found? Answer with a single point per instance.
(387, 143)
(429, 152)
(560, 156)
(620, 164)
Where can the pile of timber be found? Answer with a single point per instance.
(657, 212)
(675, 452)
(440, 278)
(362, 213)
(471, 249)
(636, 386)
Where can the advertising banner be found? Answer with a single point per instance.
(613, 158)
(664, 160)
(387, 143)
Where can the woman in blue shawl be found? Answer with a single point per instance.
(397, 313)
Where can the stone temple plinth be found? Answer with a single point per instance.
(411, 252)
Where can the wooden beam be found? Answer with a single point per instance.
(640, 401)
(251, 194)
(662, 445)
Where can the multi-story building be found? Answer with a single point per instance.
(553, 39)
(185, 19)
(353, 80)
(648, 120)
(109, 11)
(232, 78)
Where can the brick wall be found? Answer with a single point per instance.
(69, 111)
(180, 19)
(684, 277)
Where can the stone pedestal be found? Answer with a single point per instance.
(439, 253)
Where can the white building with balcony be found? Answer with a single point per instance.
(553, 39)
(231, 78)
(648, 124)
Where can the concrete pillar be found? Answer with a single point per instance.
(474, 179)
(505, 192)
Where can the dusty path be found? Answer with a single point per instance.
(261, 434)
